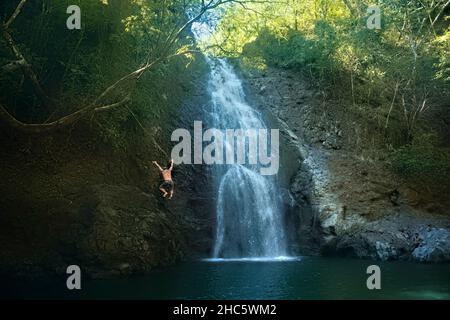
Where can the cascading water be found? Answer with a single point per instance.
(249, 220)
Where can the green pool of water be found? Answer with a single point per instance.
(307, 278)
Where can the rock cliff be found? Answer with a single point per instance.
(337, 186)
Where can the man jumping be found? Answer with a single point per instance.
(167, 186)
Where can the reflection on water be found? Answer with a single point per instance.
(427, 294)
(256, 259)
(307, 278)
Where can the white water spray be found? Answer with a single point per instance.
(249, 219)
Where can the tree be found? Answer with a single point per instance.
(168, 21)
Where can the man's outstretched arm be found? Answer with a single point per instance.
(171, 164)
(156, 164)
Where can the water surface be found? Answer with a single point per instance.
(307, 278)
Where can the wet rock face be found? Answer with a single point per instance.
(341, 197)
(127, 233)
(379, 241)
(384, 240)
(107, 230)
(307, 227)
(434, 246)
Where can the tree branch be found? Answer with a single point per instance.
(90, 109)
(96, 105)
(15, 13)
(26, 67)
(440, 12)
(113, 105)
(41, 127)
(13, 65)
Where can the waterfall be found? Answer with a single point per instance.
(249, 219)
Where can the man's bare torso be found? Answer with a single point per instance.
(167, 174)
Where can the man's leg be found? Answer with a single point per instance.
(163, 191)
(171, 191)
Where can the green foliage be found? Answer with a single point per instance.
(388, 79)
(443, 51)
(75, 66)
(295, 51)
(423, 159)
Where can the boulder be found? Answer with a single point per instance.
(434, 246)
